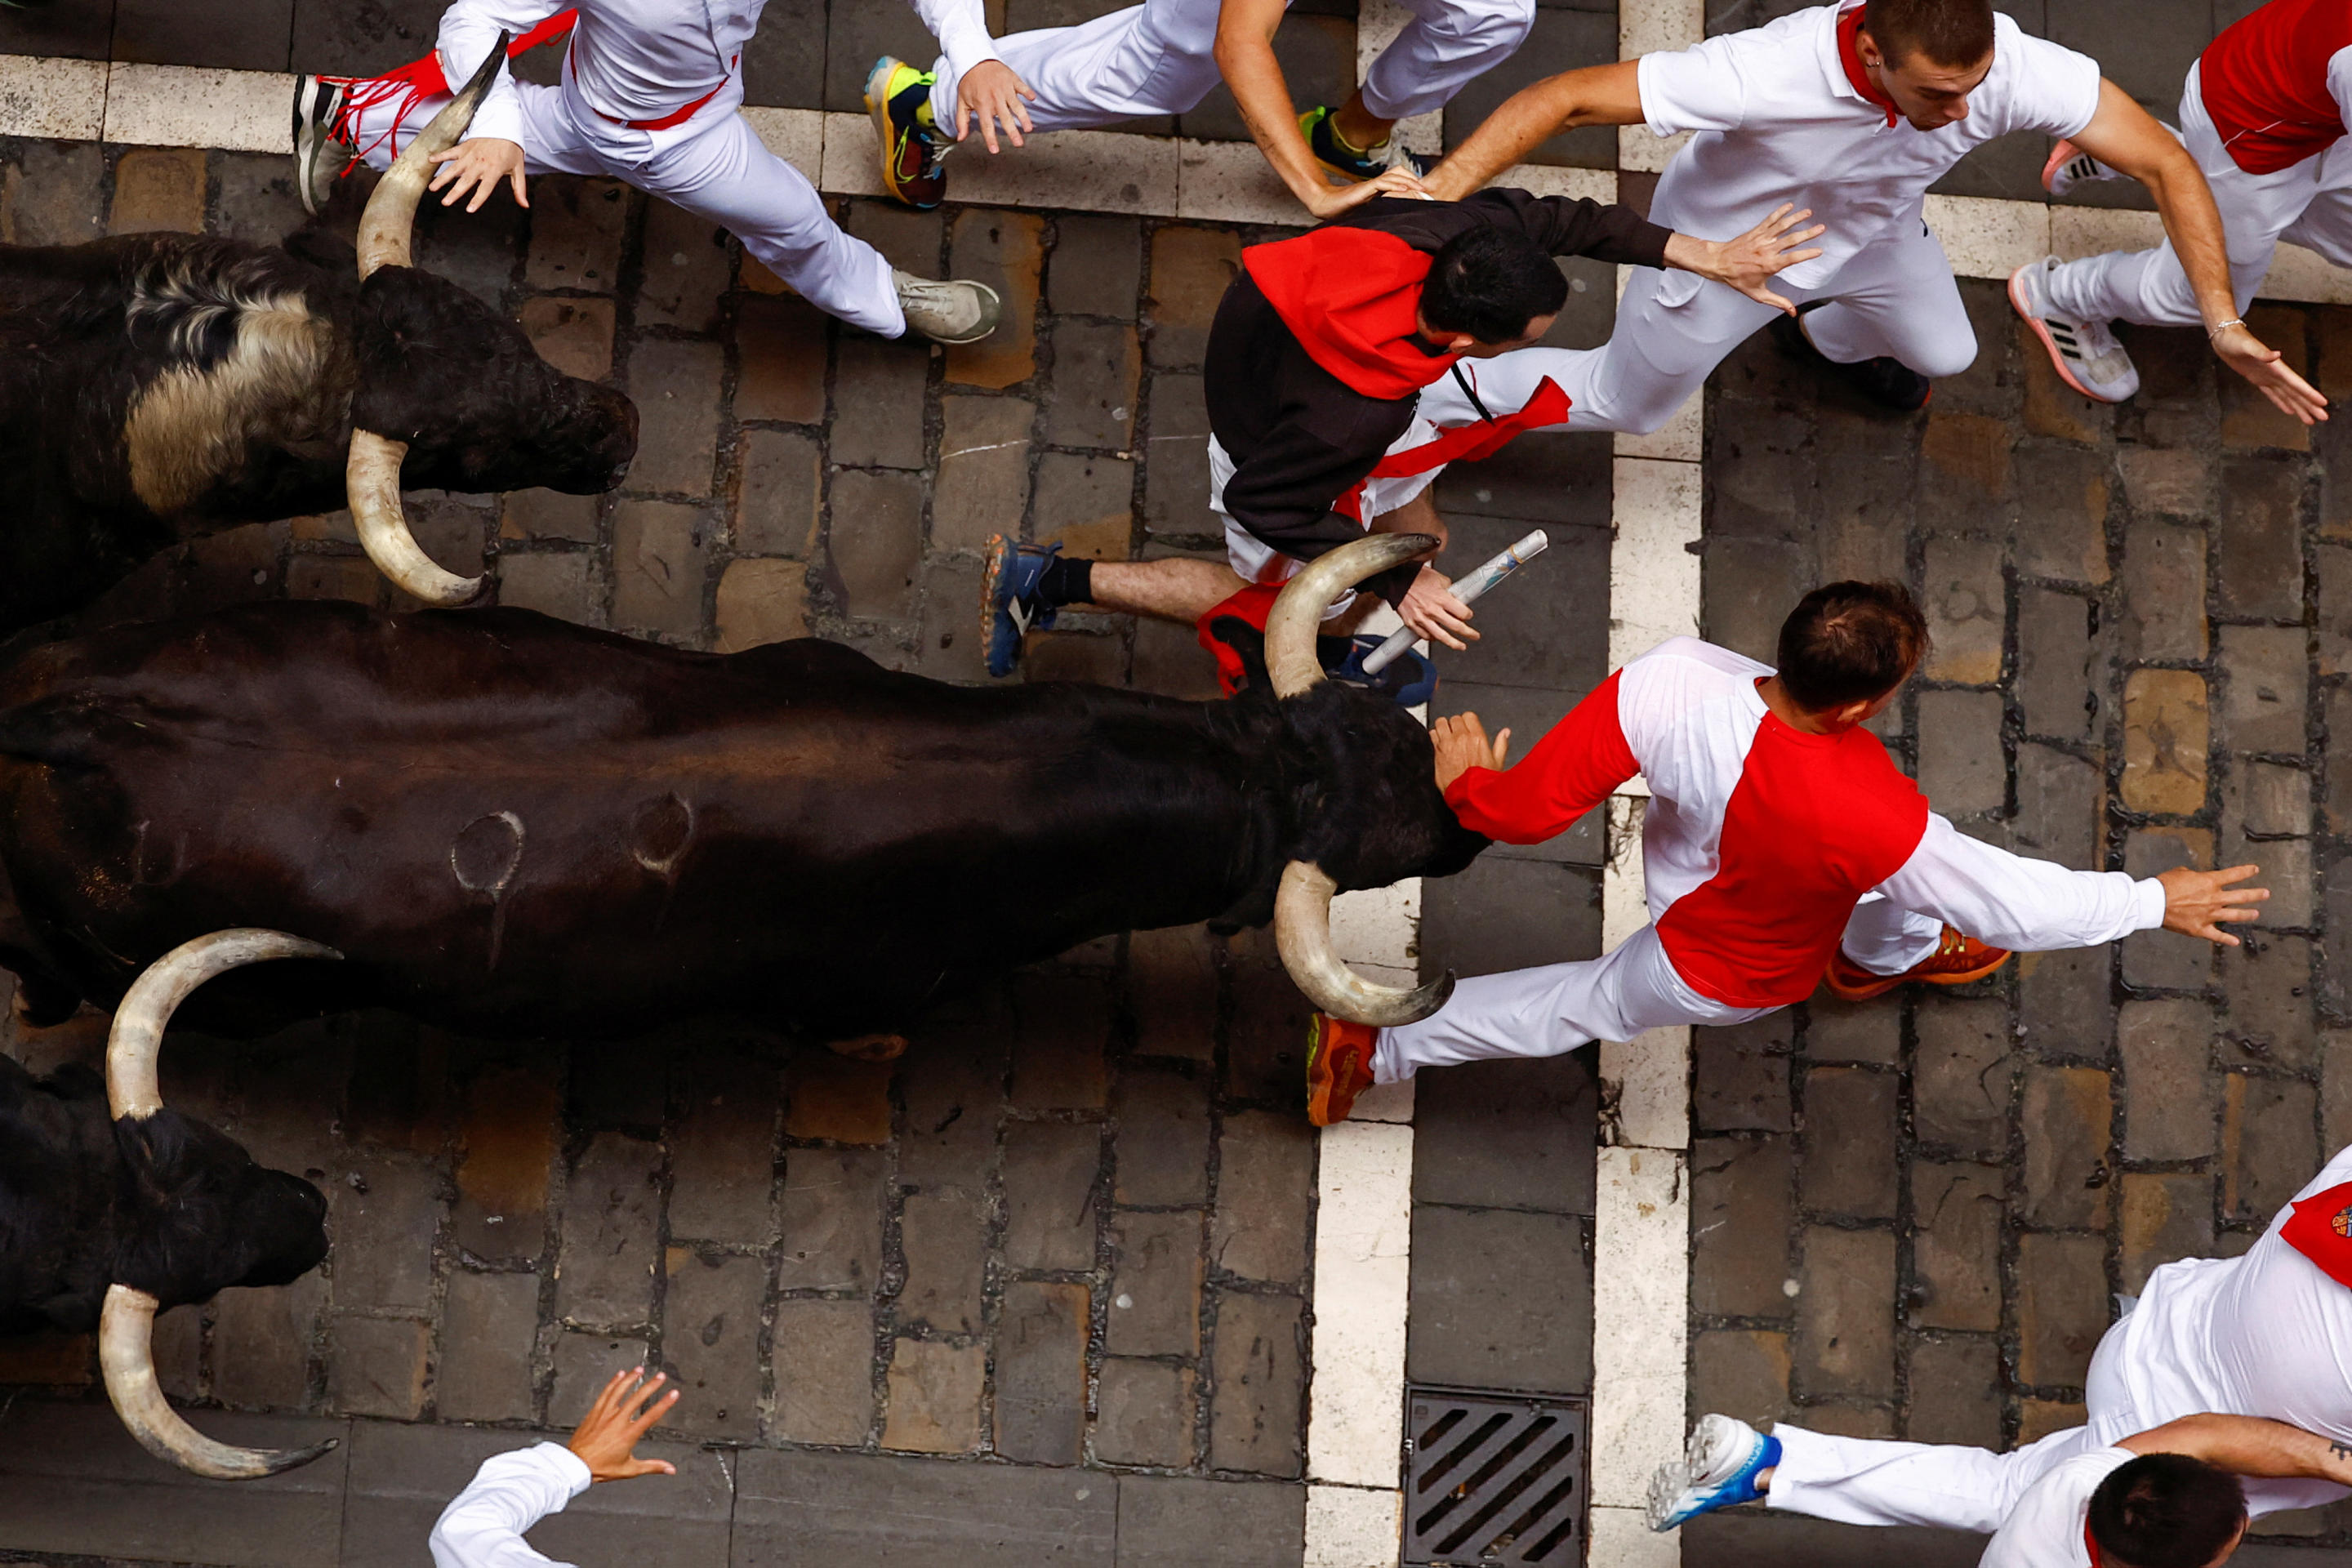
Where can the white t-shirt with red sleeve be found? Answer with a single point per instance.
(1780, 117)
(2278, 84)
(1760, 838)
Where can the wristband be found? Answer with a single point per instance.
(2218, 327)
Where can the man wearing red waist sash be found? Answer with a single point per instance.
(647, 94)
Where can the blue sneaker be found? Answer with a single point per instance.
(1718, 1470)
(1010, 606)
(1410, 680)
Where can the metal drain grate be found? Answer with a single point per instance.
(1494, 1479)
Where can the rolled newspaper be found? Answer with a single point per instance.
(1465, 589)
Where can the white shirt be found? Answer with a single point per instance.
(1778, 121)
(2045, 1529)
(631, 60)
(962, 28)
(483, 1525)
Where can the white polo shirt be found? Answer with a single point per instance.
(1779, 120)
(2045, 1529)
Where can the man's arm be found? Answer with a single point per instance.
(1597, 95)
(483, 1525)
(492, 149)
(1244, 52)
(2127, 137)
(1575, 767)
(2250, 1446)
(986, 89)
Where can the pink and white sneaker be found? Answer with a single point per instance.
(2086, 354)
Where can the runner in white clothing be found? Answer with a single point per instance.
(483, 1525)
(648, 95)
(1162, 57)
(1851, 111)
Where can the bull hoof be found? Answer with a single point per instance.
(872, 1047)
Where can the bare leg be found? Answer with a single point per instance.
(1358, 126)
(1183, 589)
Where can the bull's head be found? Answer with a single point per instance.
(446, 378)
(203, 1215)
(1373, 811)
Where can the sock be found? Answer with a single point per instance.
(1067, 581)
(920, 90)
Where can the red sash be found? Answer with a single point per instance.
(2321, 1229)
(420, 79)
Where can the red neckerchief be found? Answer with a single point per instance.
(1849, 28)
(1352, 298)
(1463, 444)
(2091, 1544)
(2321, 1229)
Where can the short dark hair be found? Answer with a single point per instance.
(2166, 1510)
(1948, 32)
(1849, 642)
(1490, 282)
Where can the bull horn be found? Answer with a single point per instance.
(1302, 932)
(126, 1324)
(391, 214)
(126, 1327)
(1298, 609)
(136, 1037)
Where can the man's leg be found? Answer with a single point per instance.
(1862, 1480)
(1446, 43)
(1149, 59)
(1896, 299)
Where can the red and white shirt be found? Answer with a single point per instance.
(1760, 838)
(2278, 83)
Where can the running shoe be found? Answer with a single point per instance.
(1410, 680)
(1323, 141)
(1889, 382)
(947, 311)
(1011, 607)
(1338, 1067)
(899, 97)
(2086, 354)
(320, 156)
(1717, 1470)
(2070, 166)
(1956, 961)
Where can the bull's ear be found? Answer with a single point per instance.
(1248, 644)
(322, 247)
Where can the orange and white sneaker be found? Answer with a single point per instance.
(1338, 1067)
(1957, 960)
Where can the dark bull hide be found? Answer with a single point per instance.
(159, 387)
(509, 826)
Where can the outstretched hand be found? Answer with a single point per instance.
(608, 1435)
(1328, 201)
(2200, 903)
(477, 166)
(990, 93)
(2272, 375)
(1461, 744)
(1750, 262)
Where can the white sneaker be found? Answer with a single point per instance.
(2087, 357)
(1717, 1470)
(952, 310)
(2070, 166)
(320, 158)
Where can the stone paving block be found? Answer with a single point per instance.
(1740, 1218)
(543, 514)
(1849, 1166)
(1960, 762)
(2167, 483)
(1172, 1522)
(1098, 367)
(1500, 1299)
(605, 1262)
(575, 336)
(2336, 1089)
(1265, 1167)
(2268, 986)
(952, 1079)
(776, 506)
(1176, 474)
(1845, 1331)
(1257, 1379)
(946, 1238)
(1097, 267)
(1263, 1059)
(984, 484)
(2062, 1003)
(1064, 1024)
(759, 601)
(1172, 988)
(577, 230)
(675, 385)
(1741, 1370)
(2061, 1307)
(159, 188)
(780, 345)
(877, 404)
(1735, 1539)
(489, 1323)
(1956, 1249)
(2065, 1123)
(2268, 1128)
(2057, 689)
(687, 264)
(1509, 914)
(661, 565)
(2332, 578)
(1967, 617)
(1161, 1145)
(1155, 1285)
(508, 1140)
(584, 1363)
(710, 1343)
(1049, 1173)
(568, 586)
(2170, 960)
(1961, 1081)
(1507, 1134)
(376, 1367)
(1556, 638)
(824, 1373)
(908, 239)
(874, 542)
(2060, 808)
(50, 192)
(797, 1507)
(935, 1391)
(1741, 1074)
(722, 1144)
(2164, 1218)
(264, 1344)
(1144, 1414)
(2267, 677)
(1041, 1374)
(2165, 736)
(1191, 269)
(1005, 250)
(384, 1215)
(2163, 600)
(1955, 1387)
(1087, 503)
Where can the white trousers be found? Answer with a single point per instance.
(1555, 1007)
(714, 166)
(1159, 58)
(2309, 203)
(1896, 299)
(1255, 561)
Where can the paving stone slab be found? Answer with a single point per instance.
(1166, 1522)
(792, 1507)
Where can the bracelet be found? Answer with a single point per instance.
(2218, 327)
